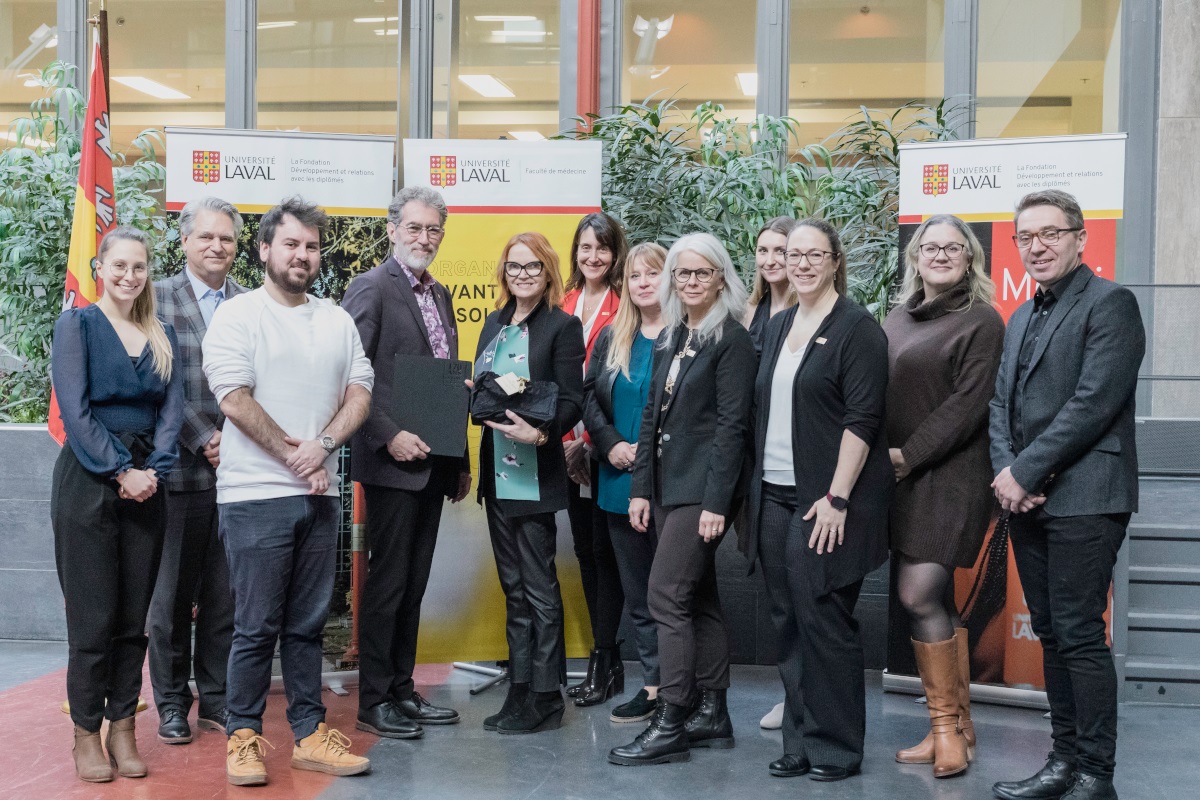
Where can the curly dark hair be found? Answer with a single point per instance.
(310, 215)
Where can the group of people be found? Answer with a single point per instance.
(824, 439)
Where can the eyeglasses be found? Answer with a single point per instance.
(703, 275)
(120, 270)
(813, 257)
(952, 250)
(534, 268)
(414, 230)
(1047, 235)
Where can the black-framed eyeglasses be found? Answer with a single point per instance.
(813, 257)
(1047, 235)
(534, 268)
(952, 250)
(703, 275)
(414, 230)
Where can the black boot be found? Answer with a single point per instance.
(517, 693)
(608, 680)
(579, 688)
(1050, 782)
(709, 725)
(664, 741)
(541, 711)
(1089, 787)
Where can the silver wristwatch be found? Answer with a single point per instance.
(328, 443)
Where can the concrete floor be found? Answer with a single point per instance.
(1157, 749)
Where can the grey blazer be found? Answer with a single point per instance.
(1075, 401)
(384, 308)
(177, 305)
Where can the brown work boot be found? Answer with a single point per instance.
(328, 751)
(122, 749)
(90, 763)
(244, 756)
(937, 662)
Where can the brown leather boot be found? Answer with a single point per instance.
(921, 753)
(937, 663)
(90, 763)
(122, 749)
(964, 692)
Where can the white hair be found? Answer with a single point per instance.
(731, 302)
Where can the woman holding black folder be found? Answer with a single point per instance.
(523, 476)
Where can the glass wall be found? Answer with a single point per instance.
(1048, 68)
(28, 43)
(877, 54)
(328, 66)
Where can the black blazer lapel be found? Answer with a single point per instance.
(409, 298)
(1061, 309)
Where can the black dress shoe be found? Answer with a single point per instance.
(213, 721)
(789, 766)
(419, 710)
(1089, 787)
(173, 726)
(829, 772)
(664, 741)
(1050, 783)
(641, 707)
(385, 720)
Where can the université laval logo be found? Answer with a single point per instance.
(936, 179)
(443, 170)
(206, 166)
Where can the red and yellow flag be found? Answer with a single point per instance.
(95, 209)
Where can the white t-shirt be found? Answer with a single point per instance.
(298, 363)
(778, 464)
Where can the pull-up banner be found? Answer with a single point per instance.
(981, 181)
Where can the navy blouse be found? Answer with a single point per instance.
(103, 393)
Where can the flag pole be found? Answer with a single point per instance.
(100, 21)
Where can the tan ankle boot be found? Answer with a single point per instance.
(328, 751)
(964, 692)
(937, 663)
(122, 749)
(90, 763)
(244, 754)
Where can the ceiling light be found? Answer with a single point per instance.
(286, 23)
(386, 32)
(660, 27)
(504, 18)
(31, 81)
(487, 85)
(152, 88)
(370, 20)
(748, 81)
(506, 34)
(527, 136)
(53, 42)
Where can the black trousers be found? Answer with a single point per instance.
(402, 528)
(693, 642)
(821, 657)
(193, 570)
(598, 571)
(106, 550)
(1066, 567)
(634, 552)
(524, 548)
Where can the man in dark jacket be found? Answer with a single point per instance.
(1063, 450)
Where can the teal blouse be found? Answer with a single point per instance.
(629, 398)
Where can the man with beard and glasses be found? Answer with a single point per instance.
(400, 309)
(291, 377)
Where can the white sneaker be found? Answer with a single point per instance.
(773, 721)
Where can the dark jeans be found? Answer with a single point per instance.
(1066, 567)
(821, 657)
(193, 570)
(693, 641)
(602, 587)
(402, 529)
(524, 548)
(281, 563)
(634, 553)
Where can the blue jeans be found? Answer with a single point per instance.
(281, 564)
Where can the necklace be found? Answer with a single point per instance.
(673, 372)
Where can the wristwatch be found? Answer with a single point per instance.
(838, 503)
(328, 443)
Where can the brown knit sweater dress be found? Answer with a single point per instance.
(942, 362)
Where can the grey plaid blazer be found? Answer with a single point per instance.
(202, 417)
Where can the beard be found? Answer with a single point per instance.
(281, 277)
(414, 260)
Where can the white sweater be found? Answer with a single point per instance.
(298, 363)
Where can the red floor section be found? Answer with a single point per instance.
(36, 759)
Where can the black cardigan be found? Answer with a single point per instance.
(696, 452)
(555, 355)
(841, 385)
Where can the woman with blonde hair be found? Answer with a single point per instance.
(121, 402)
(944, 345)
(615, 392)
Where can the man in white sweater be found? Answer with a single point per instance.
(291, 377)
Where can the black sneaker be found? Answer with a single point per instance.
(641, 707)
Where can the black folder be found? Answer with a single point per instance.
(430, 399)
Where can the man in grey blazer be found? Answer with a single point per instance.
(1063, 450)
(400, 309)
(193, 567)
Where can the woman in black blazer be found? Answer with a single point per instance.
(521, 520)
(818, 500)
(691, 460)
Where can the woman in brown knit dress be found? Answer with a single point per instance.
(944, 343)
